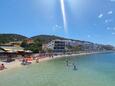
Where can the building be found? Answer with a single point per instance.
(60, 45)
(69, 45)
(17, 43)
(29, 41)
(56, 45)
(11, 48)
(44, 47)
(1, 50)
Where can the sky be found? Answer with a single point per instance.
(90, 20)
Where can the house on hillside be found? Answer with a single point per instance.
(29, 41)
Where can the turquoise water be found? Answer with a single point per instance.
(93, 70)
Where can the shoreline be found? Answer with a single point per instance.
(17, 64)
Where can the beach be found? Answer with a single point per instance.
(17, 63)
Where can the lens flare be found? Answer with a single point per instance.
(64, 15)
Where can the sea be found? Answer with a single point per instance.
(91, 70)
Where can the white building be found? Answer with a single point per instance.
(60, 45)
(57, 45)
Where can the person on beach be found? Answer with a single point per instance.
(23, 61)
(2, 67)
(37, 60)
(29, 60)
(52, 56)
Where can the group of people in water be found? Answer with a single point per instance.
(2, 67)
(74, 65)
(28, 60)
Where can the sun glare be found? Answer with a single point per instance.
(64, 15)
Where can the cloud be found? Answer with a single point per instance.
(100, 16)
(110, 12)
(108, 20)
(56, 27)
(113, 33)
(89, 36)
(108, 28)
(112, 0)
(113, 28)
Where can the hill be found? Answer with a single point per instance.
(47, 38)
(5, 38)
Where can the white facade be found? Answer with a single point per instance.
(57, 45)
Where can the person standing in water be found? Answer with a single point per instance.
(74, 67)
(67, 62)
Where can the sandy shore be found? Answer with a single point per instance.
(17, 63)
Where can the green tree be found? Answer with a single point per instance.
(35, 47)
(24, 44)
